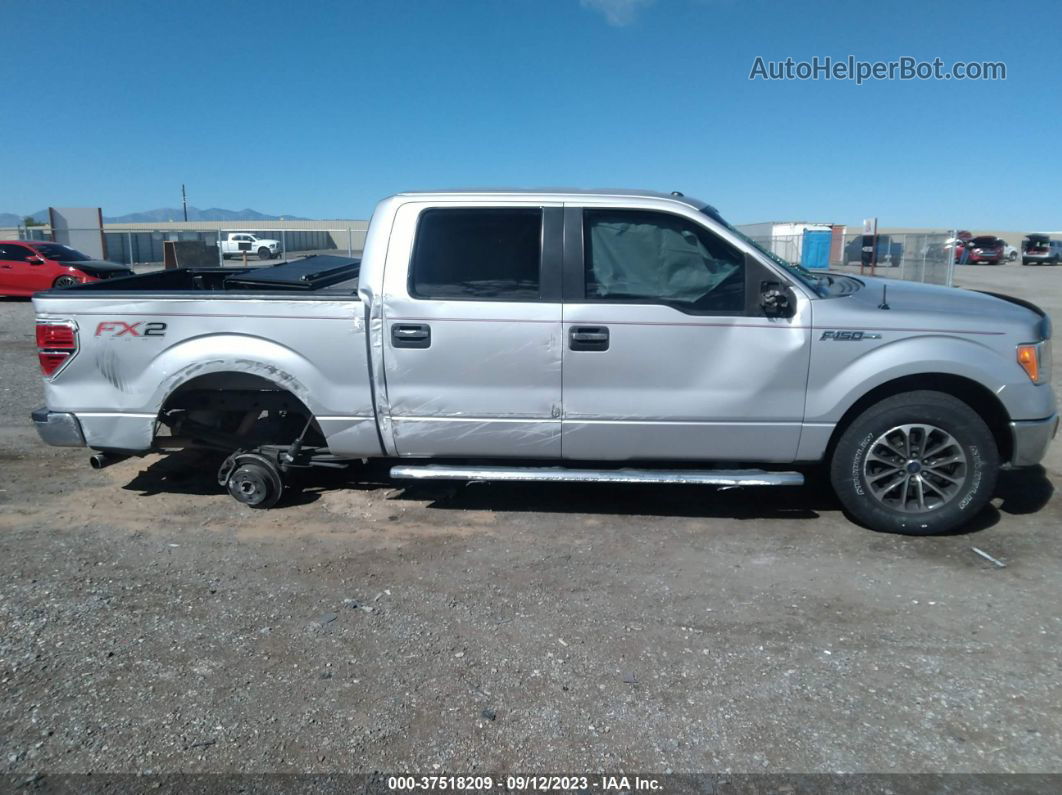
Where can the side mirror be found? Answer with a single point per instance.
(774, 300)
(35, 260)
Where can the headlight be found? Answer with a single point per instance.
(1035, 360)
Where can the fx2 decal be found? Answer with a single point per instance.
(848, 336)
(119, 328)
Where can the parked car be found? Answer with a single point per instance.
(959, 246)
(890, 252)
(985, 250)
(1009, 252)
(1040, 250)
(239, 243)
(28, 266)
(685, 349)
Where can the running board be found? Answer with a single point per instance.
(704, 477)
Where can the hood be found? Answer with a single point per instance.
(97, 266)
(930, 308)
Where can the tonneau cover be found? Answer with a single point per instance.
(311, 273)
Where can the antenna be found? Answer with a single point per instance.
(184, 202)
(884, 297)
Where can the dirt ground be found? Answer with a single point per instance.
(150, 623)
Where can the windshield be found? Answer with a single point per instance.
(60, 253)
(820, 284)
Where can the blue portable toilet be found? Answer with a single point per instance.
(815, 249)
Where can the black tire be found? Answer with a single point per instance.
(65, 281)
(255, 485)
(859, 460)
(263, 253)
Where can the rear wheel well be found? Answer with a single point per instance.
(975, 395)
(239, 403)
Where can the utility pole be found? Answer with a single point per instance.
(184, 202)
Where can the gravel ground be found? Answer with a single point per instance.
(149, 623)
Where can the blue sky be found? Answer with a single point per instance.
(319, 108)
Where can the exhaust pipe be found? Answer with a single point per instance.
(101, 460)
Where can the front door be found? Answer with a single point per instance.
(472, 337)
(17, 275)
(667, 354)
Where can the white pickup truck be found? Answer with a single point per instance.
(613, 336)
(237, 243)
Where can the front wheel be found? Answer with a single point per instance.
(918, 463)
(263, 253)
(64, 281)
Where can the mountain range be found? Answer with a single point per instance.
(164, 214)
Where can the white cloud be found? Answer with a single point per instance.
(617, 12)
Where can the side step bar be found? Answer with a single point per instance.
(706, 477)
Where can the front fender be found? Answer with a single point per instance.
(835, 384)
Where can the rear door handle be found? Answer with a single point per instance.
(411, 335)
(588, 338)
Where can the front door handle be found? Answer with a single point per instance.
(588, 338)
(411, 335)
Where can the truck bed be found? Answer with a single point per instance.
(297, 327)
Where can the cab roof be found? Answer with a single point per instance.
(561, 194)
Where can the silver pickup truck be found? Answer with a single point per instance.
(618, 336)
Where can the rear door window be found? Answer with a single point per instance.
(478, 254)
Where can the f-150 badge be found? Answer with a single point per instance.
(849, 336)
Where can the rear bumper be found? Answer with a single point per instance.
(58, 428)
(1031, 439)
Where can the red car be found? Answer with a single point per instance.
(985, 249)
(28, 266)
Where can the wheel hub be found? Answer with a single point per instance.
(915, 468)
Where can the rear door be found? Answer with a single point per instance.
(472, 330)
(667, 352)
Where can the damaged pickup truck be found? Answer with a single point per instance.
(617, 336)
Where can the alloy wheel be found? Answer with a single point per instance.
(915, 468)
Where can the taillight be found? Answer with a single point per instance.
(55, 335)
(56, 345)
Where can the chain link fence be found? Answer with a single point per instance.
(144, 245)
(924, 257)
